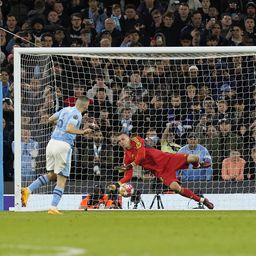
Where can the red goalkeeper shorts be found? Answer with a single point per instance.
(176, 162)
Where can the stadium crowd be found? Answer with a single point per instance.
(176, 105)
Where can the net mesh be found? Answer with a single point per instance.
(161, 97)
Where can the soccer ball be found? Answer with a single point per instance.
(126, 190)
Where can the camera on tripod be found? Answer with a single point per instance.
(136, 200)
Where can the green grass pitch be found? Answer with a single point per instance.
(136, 233)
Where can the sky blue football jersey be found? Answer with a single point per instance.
(68, 115)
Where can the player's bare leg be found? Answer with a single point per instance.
(175, 186)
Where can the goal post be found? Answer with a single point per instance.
(133, 90)
(1, 158)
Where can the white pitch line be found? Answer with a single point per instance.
(31, 250)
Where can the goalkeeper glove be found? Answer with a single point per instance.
(123, 168)
(113, 187)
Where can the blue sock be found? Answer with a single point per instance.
(39, 182)
(57, 194)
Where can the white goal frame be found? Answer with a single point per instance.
(211, 51)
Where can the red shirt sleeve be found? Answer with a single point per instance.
(128, 174)
(139, 149)
(138, 144)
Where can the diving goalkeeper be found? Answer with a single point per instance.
(162, 165)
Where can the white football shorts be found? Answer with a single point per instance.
(58, 157)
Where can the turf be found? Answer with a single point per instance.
(153, 233)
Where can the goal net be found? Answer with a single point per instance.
(174, 98)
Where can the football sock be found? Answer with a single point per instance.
(39, 182)
(188, 193)
(57, 194)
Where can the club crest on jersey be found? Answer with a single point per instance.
(75, 117)
(138, 143)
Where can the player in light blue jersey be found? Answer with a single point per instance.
(59, 152)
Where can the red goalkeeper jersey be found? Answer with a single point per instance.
(161, 164)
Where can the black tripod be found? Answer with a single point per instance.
(160, 205)
(136, 199)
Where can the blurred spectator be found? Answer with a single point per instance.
(240, 116)
(236, 38)
(243, 132)
(157, 21)
(76, 6)
(201, 126)
(88, 32)
(61, 11)
(252, 165)
(131, 19)
(169, 30)
(8, 113)
(233, 167)
(226, 23)
(159, 114)
(105, 122)
(251, 9)
(233, 10)
(116, 16)
(100, 102)
(97, 200)
(142, 118)
(78, 90)
(135, 86)
(105, 42)
(74, 30)
(224, 111)
(96, 157)
(185, 40)
(7, 154)
(146, 7)
(37, 11)
(151, 139)
(110, 27)
(100, 83)
(29, 152)
(215, 31)
(205, 10)
(249, 33)
(47, 40)
(95, 14)
(193, 147)
(5, 83)
(228, 139)
(125, 122)
(19, 9)
(37, 25)
(195, 28)
(60, 38)
(53, 21)
(211, 141)
(175, 115)
(126, 101)
(168, 141)
(11, 26)
(132, 38)
(182, 18)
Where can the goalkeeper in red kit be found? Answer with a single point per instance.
(163, 165)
